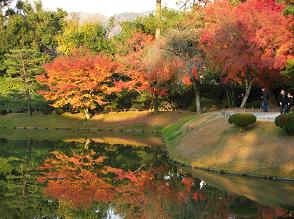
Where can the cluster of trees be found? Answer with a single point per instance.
(209, 54)
(27, 41)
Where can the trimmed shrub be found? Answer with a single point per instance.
(242, 120)
(286, 122)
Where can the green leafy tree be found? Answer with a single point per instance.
(170, 19)
(289, 72)
(92, 36)
(25, 65)
(33, 28)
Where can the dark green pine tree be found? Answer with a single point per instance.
(25, 65)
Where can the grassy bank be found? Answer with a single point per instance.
(204, 141)
(122, 120)
(209, 141)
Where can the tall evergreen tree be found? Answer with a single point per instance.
(25, 64)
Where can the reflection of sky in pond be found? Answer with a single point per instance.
(70, 180)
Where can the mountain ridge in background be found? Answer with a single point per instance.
(97, 17)
(84, 17)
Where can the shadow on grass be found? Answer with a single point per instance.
(144, 119)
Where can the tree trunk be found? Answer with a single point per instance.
(30, 111)
(197, 98)
(87, 114)
(195, 88)
(29, 99)
(228, 96)
(158, 18)
(87, 144)
(247, 93)
(232, 94)
(155, 103)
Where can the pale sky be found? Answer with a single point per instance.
(106, 7)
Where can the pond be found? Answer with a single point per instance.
(102, 175)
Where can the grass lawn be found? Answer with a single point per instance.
(122, 120)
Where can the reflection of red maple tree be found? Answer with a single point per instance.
(83, 179)
(72, 179)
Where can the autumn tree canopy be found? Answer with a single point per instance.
(250, 43)
(186, 47)
(148, 66)
(80, 81)
(223, 50)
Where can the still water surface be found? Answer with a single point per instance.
(90, 175)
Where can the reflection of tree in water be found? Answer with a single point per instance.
(86, 180)
(20, 194)
(243, 207)
(82, 179)
(137, 181)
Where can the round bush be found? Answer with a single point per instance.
(242, 120)
(286, 122)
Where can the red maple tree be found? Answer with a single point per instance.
(148, 67)
(81, 81)
(249, 43)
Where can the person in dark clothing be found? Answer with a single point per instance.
(283, 102)
(265, 100)
(290, 101)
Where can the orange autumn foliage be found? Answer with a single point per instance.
(251, 41)
(81, 80)
(82, 179)
(147, 66)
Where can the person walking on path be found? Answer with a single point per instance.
(283, 102)
(290, 101)
(265, 100)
